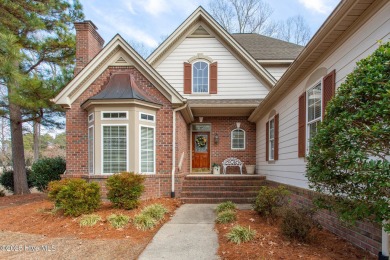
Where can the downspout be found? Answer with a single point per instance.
(174, 148)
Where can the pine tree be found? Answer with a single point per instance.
(37, 44)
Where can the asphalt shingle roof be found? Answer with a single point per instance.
(266, 48)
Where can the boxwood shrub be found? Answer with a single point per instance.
(46, 170)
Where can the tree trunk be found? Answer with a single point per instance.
(36, 145)
(19, 164)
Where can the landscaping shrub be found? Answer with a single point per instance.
(89, 220)
(118, 221)
(156, 211)
(227, 205)
(239, 234)
(2, 193)
(7, 180)
(144, 221)
(297, 223)
(269, 200)
(75, 196)
(46, 170)
(125, 189)
(226, 216)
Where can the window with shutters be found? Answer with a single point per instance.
(238, 139)
(313, 112)
(200, 77)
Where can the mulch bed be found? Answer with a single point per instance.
(269, 243)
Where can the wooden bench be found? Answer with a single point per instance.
(232, 162)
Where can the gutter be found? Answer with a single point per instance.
(174, 148)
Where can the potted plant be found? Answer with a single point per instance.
(250, 169)
(216, 168)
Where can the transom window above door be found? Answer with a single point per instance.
(200, 77)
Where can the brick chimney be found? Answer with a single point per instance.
(88, 44)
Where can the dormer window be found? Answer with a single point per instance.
(200, 77)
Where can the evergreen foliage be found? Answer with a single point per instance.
(46, 170)
(349, 158)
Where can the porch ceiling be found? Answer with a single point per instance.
(225, 107)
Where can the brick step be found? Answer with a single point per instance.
(219, 194)
(221, 188)
(223, 183)
(217, 200)
(224, 177)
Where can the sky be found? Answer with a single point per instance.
(148, 21)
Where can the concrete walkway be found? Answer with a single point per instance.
(188, 235)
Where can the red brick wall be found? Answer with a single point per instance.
(364, 235)
(77, 130)
(223, 126)
(88, 44)
(182, 143)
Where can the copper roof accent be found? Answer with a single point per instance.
(121, 86)
(266, 48)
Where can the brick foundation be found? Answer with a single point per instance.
(364, 235)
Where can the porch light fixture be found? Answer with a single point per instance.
(216, 138)
(238, 124)
(201, 119)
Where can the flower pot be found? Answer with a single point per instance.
(216, 170)
(250, 169)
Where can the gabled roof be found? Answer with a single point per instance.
(102, 61)
(266, 48)
(200, 16)
(344, 20)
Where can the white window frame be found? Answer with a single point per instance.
(93, 150)
(208, 77)
(154, 149)
(270, 152)
(91, 117)
(231, 139)
(103, 112)
(147, 120)
(102, 146)
(319, 119)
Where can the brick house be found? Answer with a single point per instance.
(205, 95)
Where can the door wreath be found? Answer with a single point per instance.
(201, 141)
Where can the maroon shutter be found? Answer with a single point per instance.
(187, 78)
(329, 85)
(213, 78)
(302, 125)
(267, 141)
(276, 137)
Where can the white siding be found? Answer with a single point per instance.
(276, 71)
(234, 80)
(290, 169)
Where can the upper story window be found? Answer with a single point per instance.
(200, 77)
(238, 139)
(114, 115)
(314, 112)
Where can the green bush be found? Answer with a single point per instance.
(144, 221)
(156, 211)
(349, 155)
(239, 234)
(46, 170)
(118, 221)
(269, 200)
(226, 216)
(7, 180)
(2, 193)
(89, 220)
(227, 205)
(125, 189)
(75, 196)
(297, 223)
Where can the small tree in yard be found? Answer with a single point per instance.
(349, 156)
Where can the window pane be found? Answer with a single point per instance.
(200, 77)
(238, 139)
(90, 149)
(114, 149)
(147, 149)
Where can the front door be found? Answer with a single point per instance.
(200, 152)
